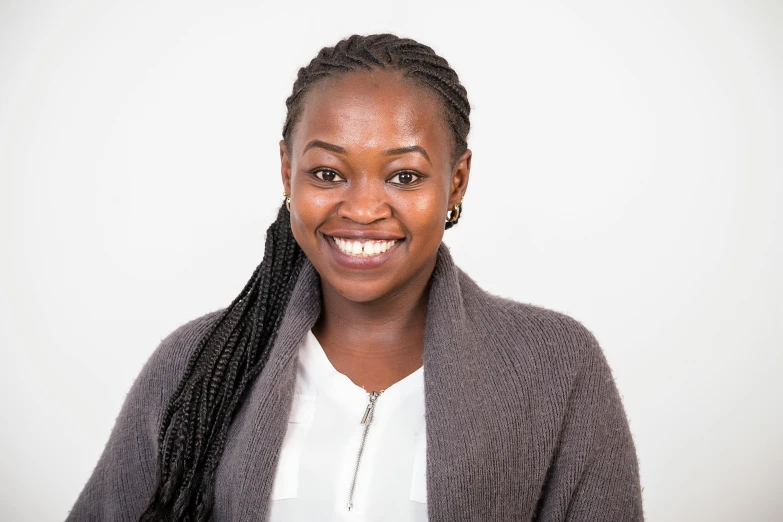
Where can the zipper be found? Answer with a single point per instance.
(366, 421)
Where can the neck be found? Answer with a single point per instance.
(389, 327)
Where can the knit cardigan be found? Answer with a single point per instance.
(523, 419)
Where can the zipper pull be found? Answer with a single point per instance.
(366, 420)
(367, 417)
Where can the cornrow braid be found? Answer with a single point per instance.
(387, 51)
(227, 360)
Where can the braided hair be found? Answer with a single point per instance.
(194, 426)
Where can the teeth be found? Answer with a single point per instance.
(363, 249)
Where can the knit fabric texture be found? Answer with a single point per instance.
(523, 419)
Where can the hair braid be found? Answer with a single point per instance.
(194, 426)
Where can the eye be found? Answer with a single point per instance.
(405, 178)
(328, 175)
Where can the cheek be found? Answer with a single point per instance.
(304, 219)
(425, 215)
(309, 207)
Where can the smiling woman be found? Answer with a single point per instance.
(481, 408)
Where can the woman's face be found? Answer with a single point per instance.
(370, 176)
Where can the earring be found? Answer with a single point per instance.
(287, 202)
(453, 215)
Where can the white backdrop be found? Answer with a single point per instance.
(627, 171)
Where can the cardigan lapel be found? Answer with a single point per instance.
(454, 378)
(256, 435)
(479, 430)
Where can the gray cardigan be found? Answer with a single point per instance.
(523, 418)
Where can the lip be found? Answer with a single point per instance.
(360, 262)
(376, 235)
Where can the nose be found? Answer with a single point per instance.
(365, 202)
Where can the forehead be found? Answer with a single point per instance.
(373, 109)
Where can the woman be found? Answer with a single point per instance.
(481, 408)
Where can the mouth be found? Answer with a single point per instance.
(355, 247)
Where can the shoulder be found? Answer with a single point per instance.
(538, 335)
(173, 352)
(163, 370)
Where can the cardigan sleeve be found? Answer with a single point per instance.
(595, 473)
(122, 481)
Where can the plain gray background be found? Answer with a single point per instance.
(627, 171)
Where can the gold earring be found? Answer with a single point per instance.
(453, 215)
(287, 201)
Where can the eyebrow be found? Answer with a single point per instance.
(390, 152)
(323, 145)
(411, 148)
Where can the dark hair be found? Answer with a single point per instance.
(227, 360)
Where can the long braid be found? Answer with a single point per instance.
(194, 427)
(227, 359)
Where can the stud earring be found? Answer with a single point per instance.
(287, 202)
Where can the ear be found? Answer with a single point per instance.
(285, 167)
(459, 178)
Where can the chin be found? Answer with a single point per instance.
(359, 290)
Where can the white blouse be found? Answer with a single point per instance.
(323, 440)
